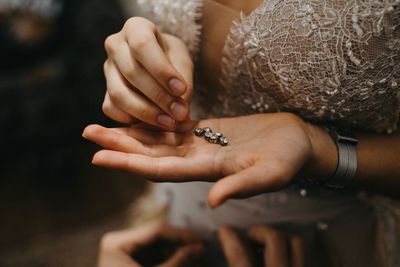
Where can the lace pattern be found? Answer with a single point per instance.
(177, 17)
(334, 61)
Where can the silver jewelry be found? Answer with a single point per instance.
(347, 159)
(208, 135)
(224, 141)
(207, 129)
(214, 138)
(199, 131)
(219, 135)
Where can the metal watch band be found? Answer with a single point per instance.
(347, 160)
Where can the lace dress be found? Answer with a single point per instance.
(330, 61)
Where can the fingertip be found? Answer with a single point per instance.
(216, 197)
(111, 159)
(97, 158)
(215, 201)
(177, 87)
(86, 131)
(90, 130)
(107, 158)
(179, 110)
(224, 230)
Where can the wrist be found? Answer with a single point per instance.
(324, 156)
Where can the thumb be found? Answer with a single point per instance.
(184, 256)
(257, 179)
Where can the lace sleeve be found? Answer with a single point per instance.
(334, 61)
(176, 17)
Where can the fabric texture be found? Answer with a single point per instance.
(329, 61)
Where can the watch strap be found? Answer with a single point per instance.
(346, 167)
(347, 160)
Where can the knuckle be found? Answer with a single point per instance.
(131, 21)
(105, 66)
(146, 115)
(115, 95)
(159, 97)
(114, 141)
(139, 42)
(139, 21)
(106, 108)
(108, 241)
(110, 43)
(110, 111)
(161, 70)
(132, 73)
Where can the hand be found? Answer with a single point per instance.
(149, 76)
(265, 153)
(117, 248)
(280, 250)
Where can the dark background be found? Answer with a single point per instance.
(54, 205)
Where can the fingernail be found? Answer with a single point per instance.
(166, 121)
(177, 87)
(179, 110)
(95, 159)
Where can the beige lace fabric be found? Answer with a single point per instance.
(334, 61)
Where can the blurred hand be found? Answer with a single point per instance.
(149, 76)
(279, 250)
(121, 248)
(265, 153)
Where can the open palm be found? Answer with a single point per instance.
(265, 153)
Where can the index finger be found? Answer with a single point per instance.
(146, 47)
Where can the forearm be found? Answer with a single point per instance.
(378, 160)
(379, 163)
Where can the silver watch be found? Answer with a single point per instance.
(346, 168)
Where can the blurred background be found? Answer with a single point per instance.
(54, 205)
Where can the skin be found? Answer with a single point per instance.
(117, 247)
(280, 250)
(266, 152)
(149, 76)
